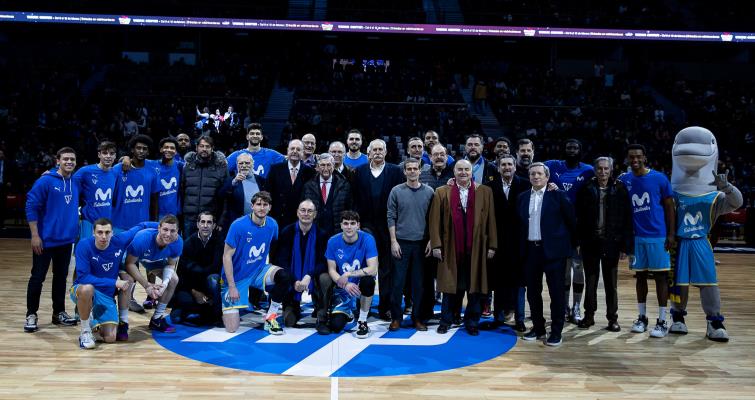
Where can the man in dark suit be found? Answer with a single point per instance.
(482, 170)
(372, 185)
(547, 237)
(506, 273)
(330, 193)
(286, 183)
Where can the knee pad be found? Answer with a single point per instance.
(337, 322)
(283, 282)
(367, 286)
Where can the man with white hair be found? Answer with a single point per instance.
(330, 193)
(338, 150)
(372, 184)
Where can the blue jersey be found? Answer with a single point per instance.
(95, 191)
(144, 247)
(693, 214)
(169, 201)
(99, 268)
(252, 243)
(354, 163)
(263, 159)
(569, 180)
(647, 193)
(351, 256)
(131, 197)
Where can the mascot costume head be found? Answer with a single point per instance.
(695, 160)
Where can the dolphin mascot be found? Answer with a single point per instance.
(701, 195)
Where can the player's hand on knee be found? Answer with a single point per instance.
(353, 289)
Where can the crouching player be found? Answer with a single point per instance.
(98, 259)
(352, 264)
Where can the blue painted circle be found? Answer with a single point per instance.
(383, 354)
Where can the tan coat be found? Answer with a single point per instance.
(442, 236)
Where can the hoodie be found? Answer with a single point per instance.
(53, 203)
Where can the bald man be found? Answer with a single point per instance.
(286, 182)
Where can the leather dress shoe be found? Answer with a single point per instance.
(395, 325)
(420, 326)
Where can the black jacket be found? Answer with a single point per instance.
(232, 198)
(283, 249)
(619, 230)
(339, 200)
(201, 182)
(507, 269)
(199, 260)
(373, 211)
(286, 195)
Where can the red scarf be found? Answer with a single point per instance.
(457, 218)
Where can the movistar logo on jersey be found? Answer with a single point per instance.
(302, 352)
(693, 223)
(355, 265)
(254, 253)
(102, 198)
(170, 186)
(641, 203)
(260, 170)
(134, 195)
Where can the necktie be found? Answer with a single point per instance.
(324, 192)
(293, 175)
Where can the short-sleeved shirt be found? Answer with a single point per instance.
(569, 180)
(646, 193)
(169, 201)
(145, 248)
(263, 159)
(131, 198)
(96, 190)
(355, 162)
(350, 257)
(252, 243)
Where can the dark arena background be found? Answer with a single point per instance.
(609, 74)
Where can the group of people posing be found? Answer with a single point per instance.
(333, 224)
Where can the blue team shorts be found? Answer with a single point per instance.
(695, 264)
(104, 310)
(258, 280)
(650, 255)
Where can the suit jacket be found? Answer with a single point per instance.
(283, 250)
(286, 195)
(489, 172)
(509, 271)
(373, 212)
(232, 198)
(483, 238)
(339, 200)
(557, 224)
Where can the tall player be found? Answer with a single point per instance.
(263, 157)
(136, 190)
(158, 250)
(97, 279)
(570, 174)
(96, 184)
(247, 247)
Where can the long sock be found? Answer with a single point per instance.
(85, 326)
(123, 315)
(662, 313)
(642, 308)
(159, 310)
(362, 317)
(273, 309)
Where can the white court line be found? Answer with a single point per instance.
(216, 335)
(334, 388)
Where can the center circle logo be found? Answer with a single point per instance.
(302, 351)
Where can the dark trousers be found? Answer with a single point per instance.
(184, 304)
(60, 257)
(385, 269)
(452, 302)
(430, 271)
(607, 260)
(412, 253)
(509, 299)
(535, 266)
(324, 286)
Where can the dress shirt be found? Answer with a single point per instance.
(536, 207)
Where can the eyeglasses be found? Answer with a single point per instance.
(305, 211)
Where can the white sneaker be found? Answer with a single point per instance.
(679, 328)
(86, 340)
(660, 330)
(717, 332)
(576, 314)
(640, 325)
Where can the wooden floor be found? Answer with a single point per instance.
(590, 364)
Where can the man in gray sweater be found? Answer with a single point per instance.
(408, 204)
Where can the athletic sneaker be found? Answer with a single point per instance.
(161, 325)
(576, 315)
(31, 323)
(62, 318)
(86, 340)
(121, 334)
(717, 332)
(363, 331)
(272, 326)
(660, 330)
(134, 306)
(532, 335)
(640, 324)
(553, 340)
(678, 327)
